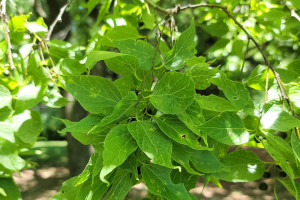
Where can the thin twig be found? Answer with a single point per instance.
(57, 19)
(4, 18)
(245, 55)
(178, 8)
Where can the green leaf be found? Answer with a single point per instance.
(258, 77)
(192, 117)
(145, 52)
(124, 65)
(295, 145)
(282, 147)
(243, 165)
(28, 97)
(27, 126)
(183, 49)
(5, 97)
(120, 33)
(148, 17)
(277, 119)
(11, 189)
(291, 186)
(7, 132)
(226, 128)
(81, 131)
(9, 159)
(92, 189)
(205, 161)
(131, 165)
(184, 177)
(94, 93)
(201, 74)
(89, 169)
(278, 156)
(125, 84)
(287, 75)
(121, 185)
(71, 66)
(36, 28)
(173, 93)
(177, 131)
(17, 23)
(214, 103)
(158, 181)
(83, 126)
(121, 111)
(294, 65)
(118, 145)
(235, 92)
(297, 5)
(181, 155)
(237, 48)
(96, 56)
(294, 95)
(152, 142)
(38, 73)
(5, 113)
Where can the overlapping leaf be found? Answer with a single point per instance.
(235, 92)
(152, 142)
(226, 128)
(158, 181)
(145, 52)
(243, 166)
(95, 94)
(214, 103)
(183, 49)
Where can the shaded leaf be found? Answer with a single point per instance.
(158, 181)
(183, 49)
(152, 142)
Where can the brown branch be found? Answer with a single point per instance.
(179, 8)
(57, 19)
(4, 18)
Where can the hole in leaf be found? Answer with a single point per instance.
(235, 98)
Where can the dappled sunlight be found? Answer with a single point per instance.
(252, 168)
